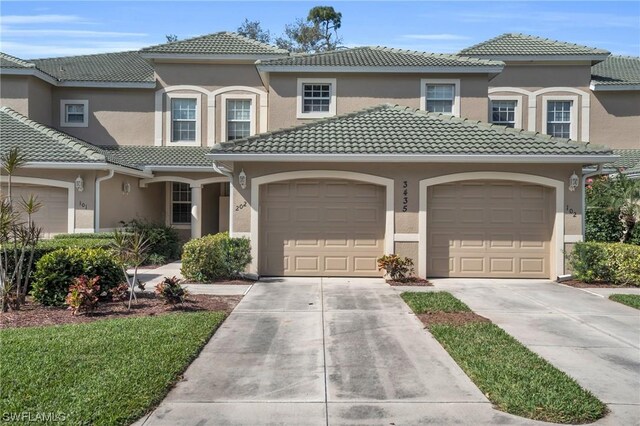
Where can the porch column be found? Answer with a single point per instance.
(196, 210)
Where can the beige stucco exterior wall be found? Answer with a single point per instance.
(533, 77)
(412, 173)
(615, 119)
(14, 93)
(358, 91)
(116, 116)
(208, 76)
(40, 94)
(139, 203)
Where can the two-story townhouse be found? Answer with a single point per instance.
(316, 164)
(566, 90)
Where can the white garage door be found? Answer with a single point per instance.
(52, 216)
(321, 228)
(489, 229)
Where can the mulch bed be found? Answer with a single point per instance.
(580, 284)
(414, 281)
(32, 314)
(451, 318)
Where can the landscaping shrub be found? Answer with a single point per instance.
(83, 294)
(171, 291)
(85, 236)
(215, 257)
(602, 225)
(164, 241)
(56, 271)
(614, 263)
(397, 267)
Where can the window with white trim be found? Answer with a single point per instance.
(238, 118)
(316, 97)
(559, 118)
(440, 98)
(180, 203)
(74, 113)
(503, 112)
(183, 119)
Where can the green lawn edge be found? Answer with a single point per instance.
(107, 372)
(632, 300)
(515, 379)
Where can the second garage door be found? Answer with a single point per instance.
(489, 229)
(321, 228)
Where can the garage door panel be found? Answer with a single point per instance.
(336, 228)
(52, 216)
(504, 229)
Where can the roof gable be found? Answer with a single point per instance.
(395, 130)
(616, 72)
(121, 67)
(376, 56)
(511, 45)
(8, 61)
(221, 43)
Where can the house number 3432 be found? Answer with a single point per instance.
(405, 196)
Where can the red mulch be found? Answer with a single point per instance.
(451, 318)
(580, 284)
(32, 314)
(412, 281)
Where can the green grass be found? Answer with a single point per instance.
(632, 300)
(430, 302)
(512, 377)
(108, 372)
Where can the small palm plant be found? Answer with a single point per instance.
(11, 161)
(131, 249)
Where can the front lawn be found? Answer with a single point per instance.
(632, 300)
(104, 372)
(512, 377)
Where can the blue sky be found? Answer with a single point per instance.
(45, 29)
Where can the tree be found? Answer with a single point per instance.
(11, 161)
(171, 38)
(318, 33)
(327, 21)
(617, 194)
(253, 30)
(131, 249)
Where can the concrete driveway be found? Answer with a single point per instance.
(580, 331)
(324, 351)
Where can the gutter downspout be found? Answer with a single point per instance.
(228, 174)
(96, 203)
(586, 176)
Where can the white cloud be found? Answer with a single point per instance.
(24, 50)
(435, 37)
(40, 19)
(66, 33)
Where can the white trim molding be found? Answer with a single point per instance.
(257, 182)
(69, 186)
(518, 109)
(263, 107)
(407, 237)
(223, 112)
(333, 85)
(584, 114)
(159, 138)
(557, 251)
(63, 112)
(573, 132)
(455, 109)
(169, 119)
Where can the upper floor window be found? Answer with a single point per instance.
(183, 119)
(238, 118)
(503, 112)
(441, 95)
(180, 203)
(316, 97)
(74, 113)
(559, 118)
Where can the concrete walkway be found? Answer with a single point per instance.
(580, 331)
(323, 352)
(151, 277)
